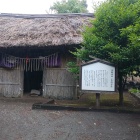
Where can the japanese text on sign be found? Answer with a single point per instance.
(98, 76)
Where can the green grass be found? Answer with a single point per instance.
(133, 90)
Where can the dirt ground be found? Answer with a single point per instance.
(19, 122)
(86, 100)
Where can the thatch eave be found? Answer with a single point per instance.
(42, 30)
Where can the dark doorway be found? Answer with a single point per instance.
(32, 80)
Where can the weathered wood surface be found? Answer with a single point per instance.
(58, 83)
(11, 83)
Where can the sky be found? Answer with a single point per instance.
(33, 6)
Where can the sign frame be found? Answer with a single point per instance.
(102, 62)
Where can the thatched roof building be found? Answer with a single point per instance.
(34, 51)
(18, 30)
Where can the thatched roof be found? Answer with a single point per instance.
(18, 30)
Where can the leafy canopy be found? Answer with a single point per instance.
(114, 35)
(70, 6)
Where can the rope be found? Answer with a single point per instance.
(29, 64)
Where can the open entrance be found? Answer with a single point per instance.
(33, 81)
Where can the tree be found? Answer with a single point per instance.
(115, 37)
(70, 6)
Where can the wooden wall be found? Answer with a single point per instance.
(58, 83)
(11, 83)
(65, 58)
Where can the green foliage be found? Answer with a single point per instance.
(70, 6)
(133, 90)
(115, 37)
(73, 68)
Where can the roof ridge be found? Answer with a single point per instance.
(46, 15)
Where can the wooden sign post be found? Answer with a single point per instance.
(97, 100)
(98, 76)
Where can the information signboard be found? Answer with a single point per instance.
(98, 75)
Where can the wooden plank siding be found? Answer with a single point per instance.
(11, 83)
(58, 83)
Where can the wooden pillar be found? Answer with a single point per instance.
(76, 90)
(97, 100)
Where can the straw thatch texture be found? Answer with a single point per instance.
(42, 30)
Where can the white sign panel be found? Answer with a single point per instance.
(98, 76)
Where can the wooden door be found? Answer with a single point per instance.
(58, 83)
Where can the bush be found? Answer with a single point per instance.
(133, 90)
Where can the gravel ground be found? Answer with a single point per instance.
(19, 122)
